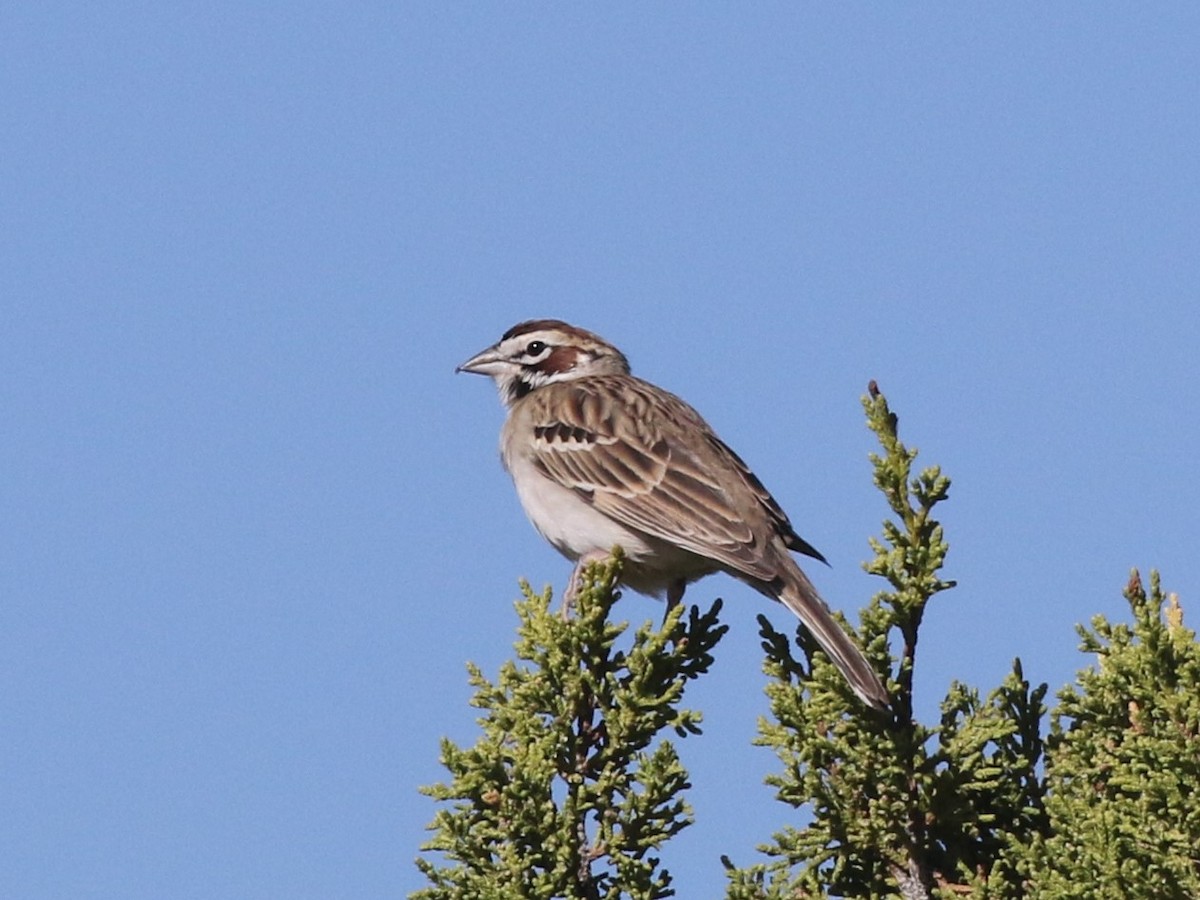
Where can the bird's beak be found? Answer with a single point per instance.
(486, 362)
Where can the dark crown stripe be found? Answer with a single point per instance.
(536, 325)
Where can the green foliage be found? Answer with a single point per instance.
(1123, 766)
(569, 792)
(895, 808)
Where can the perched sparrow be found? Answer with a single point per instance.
(601, 458)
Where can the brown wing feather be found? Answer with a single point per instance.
(665, 474)
(779, 520)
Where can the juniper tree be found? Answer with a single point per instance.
(571, 790)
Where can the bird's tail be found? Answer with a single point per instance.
(799, 595)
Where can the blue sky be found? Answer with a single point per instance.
(254, 525)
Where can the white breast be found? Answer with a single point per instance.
(576, 529)
(567, 521)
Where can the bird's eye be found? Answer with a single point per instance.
(535, 348)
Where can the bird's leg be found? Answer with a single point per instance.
(674, 595)
(576, 581)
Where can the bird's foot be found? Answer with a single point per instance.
(576, 582)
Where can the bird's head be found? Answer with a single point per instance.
(539, 352)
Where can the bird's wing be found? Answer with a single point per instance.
(649, 461)
(778, 518)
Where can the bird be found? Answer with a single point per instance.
(602, 458)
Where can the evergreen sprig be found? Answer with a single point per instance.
(895, 807)
(1123, 761)
(569, 791)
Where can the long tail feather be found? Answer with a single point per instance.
(802, 598)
